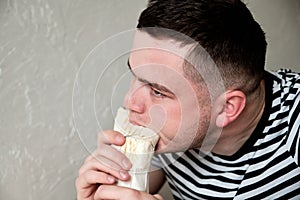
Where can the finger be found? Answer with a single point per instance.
(111, 137)
(87, 193)
(107, 163)
(158, 197)
(115, 156)
(106, 166)
(90, 157)
(105, 139)
(116, 192)
(87, 183)
(123, 193)
(109, 152)
(91, 177)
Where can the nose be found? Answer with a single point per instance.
(135, 98)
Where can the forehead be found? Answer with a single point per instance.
(147, 49)
(159, 61)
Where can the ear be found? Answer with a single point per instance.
(233, 104)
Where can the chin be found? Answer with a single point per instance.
(169, 148)
(162, 148)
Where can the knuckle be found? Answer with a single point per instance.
(102, 136)
(89, 177)
(134, 193)
(80, 171)
(77, 183)
(87, 159)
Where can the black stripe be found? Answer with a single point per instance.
(201, 176)
(275, 108)
(182, 192)
(209, 159)
(288, 102)
(279, 127)
(280, 116)
(279, 187)
(276, 140)
(294, 116)
(266, 180)
(273, 162)
(292, 194)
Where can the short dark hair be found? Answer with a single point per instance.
(224, 28)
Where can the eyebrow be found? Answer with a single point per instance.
(154, 85)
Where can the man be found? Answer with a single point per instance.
(228, 129)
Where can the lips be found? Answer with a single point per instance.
(134, 120)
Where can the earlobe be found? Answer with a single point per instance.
(221, 120)
(235, 102)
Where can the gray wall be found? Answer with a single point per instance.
(281, 21)
(42, 46)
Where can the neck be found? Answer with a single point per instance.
(235, 135)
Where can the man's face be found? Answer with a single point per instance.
(162, 98)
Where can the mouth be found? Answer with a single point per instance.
(156, 148)
(135, 123)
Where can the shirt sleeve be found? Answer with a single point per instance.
(156, 162)
(293, 140)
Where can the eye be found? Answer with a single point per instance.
(157, 93)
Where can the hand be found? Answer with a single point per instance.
(123, 193)
(104, 166)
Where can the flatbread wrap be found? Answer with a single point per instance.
(139, 148)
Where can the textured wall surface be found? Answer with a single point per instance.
(281, 21)
(42, 46)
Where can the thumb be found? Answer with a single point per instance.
(158, 197)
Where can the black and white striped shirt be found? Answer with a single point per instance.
(266, 167)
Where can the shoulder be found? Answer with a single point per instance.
(289, 86)
(285, 89)
(286, 78)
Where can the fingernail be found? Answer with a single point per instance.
(123, 174)
(126, 163)
(110, 179)
(119, 139)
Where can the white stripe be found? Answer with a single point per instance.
(270, 137)
(287, 189)
(270, 170)
(203, 190)
(267, 150)
(224, 168)
(268, 186)
(274, 124)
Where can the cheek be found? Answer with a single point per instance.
(165, 120)
(180, 129)
(173, 123)
(158, 116)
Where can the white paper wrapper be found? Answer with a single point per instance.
(139, 148)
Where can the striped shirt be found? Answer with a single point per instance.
(267, 165)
